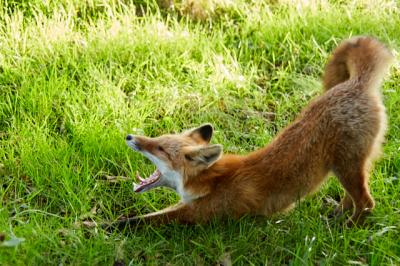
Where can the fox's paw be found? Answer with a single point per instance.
(359, 219)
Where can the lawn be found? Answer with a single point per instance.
(77, 76)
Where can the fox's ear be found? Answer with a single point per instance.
(202, 134)
(207, 155)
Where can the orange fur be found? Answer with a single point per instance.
(340, 131)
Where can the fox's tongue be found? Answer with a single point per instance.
(145, 182)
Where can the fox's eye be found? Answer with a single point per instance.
(188, 157)
(160, 148)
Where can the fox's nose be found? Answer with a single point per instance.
(129, 137)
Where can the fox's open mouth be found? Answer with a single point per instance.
(146, 182)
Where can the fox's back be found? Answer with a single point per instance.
(345, 112)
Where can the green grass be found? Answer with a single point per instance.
(77, 76)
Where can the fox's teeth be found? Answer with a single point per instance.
(143, 182)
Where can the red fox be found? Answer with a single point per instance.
(340, 131)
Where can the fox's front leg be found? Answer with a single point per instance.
(180, 213)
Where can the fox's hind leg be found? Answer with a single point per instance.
(353, 175)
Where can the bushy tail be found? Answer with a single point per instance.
(364, 58)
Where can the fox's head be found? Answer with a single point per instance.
(178, 157)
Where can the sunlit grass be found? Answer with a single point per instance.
(77, 76)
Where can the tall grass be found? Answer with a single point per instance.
(77, 76)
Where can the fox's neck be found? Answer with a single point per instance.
(223, 170)
(227, 166)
